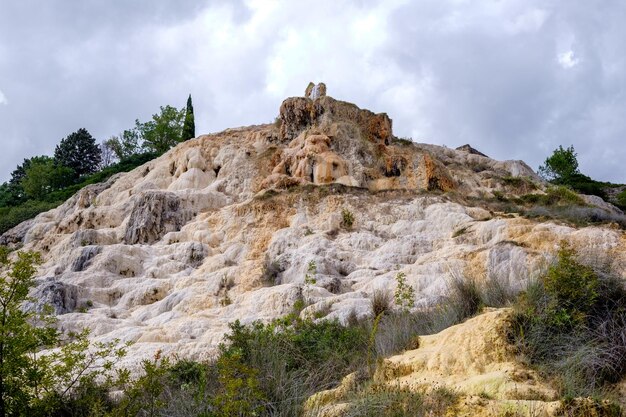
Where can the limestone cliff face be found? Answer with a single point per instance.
(224, 226)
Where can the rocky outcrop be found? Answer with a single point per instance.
(467, 148)
(315, 91)
(83, 261)
(332, 141)
(299, 113)
(472, 359)
(155, 214)
(61, 297)
(150, 250)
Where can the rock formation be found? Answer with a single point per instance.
(223, 227)
(472, 358)
(469, 149)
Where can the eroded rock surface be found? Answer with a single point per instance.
(224, 227)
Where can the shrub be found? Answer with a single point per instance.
(563, 194)
(404, 296)
(494, 294)
(572, 289)
(465, 298)
(498, 195)
(271, 272)
(403, 141)
(556, 195)
(381, 302)
(397, 332)
(513, 181)
(585, 185)
(239, 393)
(296, 358)
(571, 324)
(347, 218)
(375, 400)
(12, 216)
(621, 199)
(311, 270)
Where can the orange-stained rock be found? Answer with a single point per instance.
(436, 177)
(299, 113)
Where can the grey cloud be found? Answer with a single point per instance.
(447, 72)
(505, 92)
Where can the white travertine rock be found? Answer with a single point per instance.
(223, 227)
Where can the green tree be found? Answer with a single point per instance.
(240, 393)
(80, 152)
(125, 145)
(108, 156)
(19, 338)
(189, 128)
(43, 176)
(20, 171)
(561, 166)
(32, 383)
(163, 131)
(12, 192)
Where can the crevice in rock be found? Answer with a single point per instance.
(85, 258)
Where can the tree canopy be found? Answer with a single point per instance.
(79, 152)
(126, 144)
(163, 131)
(560, 166)
(44, 175)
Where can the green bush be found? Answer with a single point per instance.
(12, 215)
(295, 358)
(572, 289)
(571, 324)
(347, 218)
(621, 199)
(404, 295)
(555, 195)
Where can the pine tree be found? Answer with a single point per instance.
(189, 128)
(79, 152)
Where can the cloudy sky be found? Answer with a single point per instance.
(514, 78)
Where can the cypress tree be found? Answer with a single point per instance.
(189, 128)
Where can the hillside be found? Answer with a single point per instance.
(326, 205)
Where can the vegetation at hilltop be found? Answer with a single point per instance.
(41, 183)
(561, 168)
